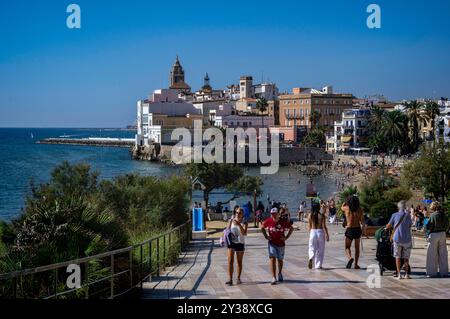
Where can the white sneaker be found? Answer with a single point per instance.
(398, 277)
(274, 281)
(407, 276)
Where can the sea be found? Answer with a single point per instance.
(23, 160)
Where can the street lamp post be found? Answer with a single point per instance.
(375, 160)
(393, 156)
(310, 171)
(382, 168)
(441, 175)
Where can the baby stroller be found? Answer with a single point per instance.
(384, 255)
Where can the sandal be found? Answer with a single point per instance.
(349, 264)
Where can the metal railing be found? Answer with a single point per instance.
(103, 276)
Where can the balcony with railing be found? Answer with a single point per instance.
(295, 117)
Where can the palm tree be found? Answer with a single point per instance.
(316, 137)
(376, 118)
(432, 111)
(262, 106)
(376, 121)
(314, 118)
(414, 111)
(393, 128)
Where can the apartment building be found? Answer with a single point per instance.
(295, 108)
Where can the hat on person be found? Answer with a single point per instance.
(274, 210)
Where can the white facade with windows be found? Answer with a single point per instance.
(149, 130)
(351, 133)
(243, 121)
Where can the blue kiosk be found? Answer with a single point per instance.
(198, 218)
(198, 223)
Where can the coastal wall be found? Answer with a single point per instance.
(287, 155)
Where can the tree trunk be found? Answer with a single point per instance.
(433, 136)
(254, 207)
(206, 198)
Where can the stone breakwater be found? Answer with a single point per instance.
(99, 142)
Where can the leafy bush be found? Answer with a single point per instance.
(144, 202)
(379, 196)
(381, 209)
(394, 195)
(430, 172)
(73, 216)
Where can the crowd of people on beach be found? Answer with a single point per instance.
(278, 228)
(364, 169)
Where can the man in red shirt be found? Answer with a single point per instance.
(277, 237)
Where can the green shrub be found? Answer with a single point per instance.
(143, 203)
(74, 215)
(379, 196)
(394, 195)
(381, 209)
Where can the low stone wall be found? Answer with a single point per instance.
(287, 155)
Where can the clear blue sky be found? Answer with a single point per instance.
(53, 76)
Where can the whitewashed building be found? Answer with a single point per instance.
(244, 121)
(155, 121)
(351, 133)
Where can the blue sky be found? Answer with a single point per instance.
(51, 76)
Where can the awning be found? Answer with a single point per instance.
(361, 149)
(346, 139)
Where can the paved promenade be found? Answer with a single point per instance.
(202, 273)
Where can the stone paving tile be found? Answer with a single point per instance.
(202, 273)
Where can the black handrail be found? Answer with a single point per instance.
(107, 266)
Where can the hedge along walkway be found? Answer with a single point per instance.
(202, 273)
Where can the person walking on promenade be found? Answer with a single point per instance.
(259, 212)
(419, 218)
(400, 223)
(301, 211)
(318, 234)
(437, 255)
(238, 231)
(285, 215)
(276, 237)
(426, 219)
(354, 228)
(332, 212)
(412, 214)
(323, 208)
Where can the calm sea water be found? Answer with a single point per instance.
(23, 160)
